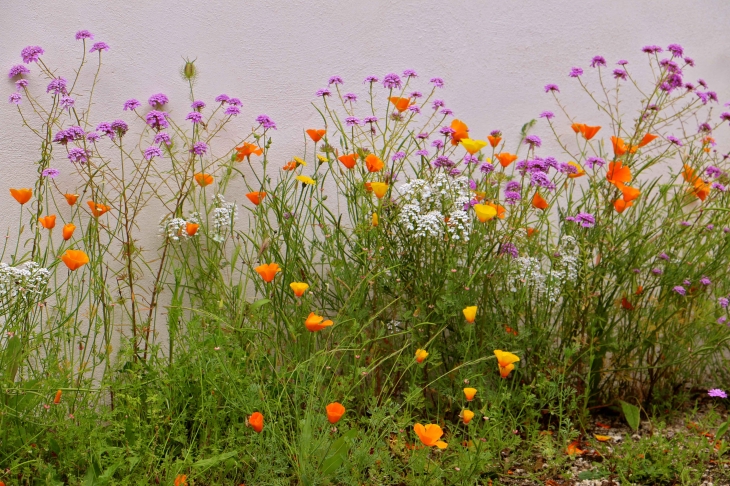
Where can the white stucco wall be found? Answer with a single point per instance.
(495, 56)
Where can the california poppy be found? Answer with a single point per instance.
(485, 212)
(576, 127)
(421, 355)
(246, 150)
(620, 147)
(505, 361)
(573, 449)
(97, 209)
(578, 170)
(531, 231)
(203, 179)
(316, 135)
(470, 313)
(639, 290)
(256, 421)
(71, 198)
(617, 172)
(21, 195)
(290, 166)
(268, 271)
(506, 158)
(57, 398)
(469, 393)
(305, 179)
(648, 138)
(501, 211)
(588, 132)
(48, 222)
(460, 131)
(316, 323)
(430, 435)
(75, 259)
(256, 197)
(374, 219)
(620, 205)
(379, 188)
(373, 163)
(466, 416)
(191, 228)
(473, 146)
(538, 202)
(401, 104)
(494, 139)
(335, 411)
(68, 231)
(299, 288)
(181, 480)
(701, 189)
(348, 160)
(630, 193)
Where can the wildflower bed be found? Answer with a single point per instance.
(398, 302)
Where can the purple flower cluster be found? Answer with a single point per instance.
(598, 61)
(575, 72)
(437, 82)
(486, 168)
(78, 155)
(131, 105)
(163, 137)
(151, 152)
(69, 134)
(197, 105)
(266, 122)
(99, 46)
(222, 98)
(392, 81)
(156, 119)
(586, 220)
(15, 98)
(533, 141)
(31, 54)
(443, 161)
(232, 110)
(57, 86)
(199, 148)
(84, 34)
(509, 249)
(351, 97)
(158, 100)
(713, 171)
(620, 74)
(18, 70)
(680, 290)
(352, 121)
(552, 88)
(371, 80)
(549, 115)
(119, 127)
(593, 162)
(716, 393)
(323, 92)
(52, 173)
(334, 80)
(398, 155)
(195, 117)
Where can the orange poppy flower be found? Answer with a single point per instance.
(466, 416)
(373, 163)
(203, 179)
(21, 195)
(430, 435)
(576, 127)
(531, 231)
(181, 480)
(620, 147)
(191, 228)
(620, 205)
(647, 139)
(48, 222)
(506, 362)
(335, 411)
(701, 189)
(401, 104)
(97, 209)
(256, 420)
(57, 398)
(316, 135)
(379, 188)
(348, 160)
(539, 202)
(75, 259)
(290, 165)
(421, 355)
(299, 288)
(71, 198)
(617, 172)
(573, 449)
(494, 141)
(579, 172)
(500, 209)
(68, 231)
(315, 323)
(256, 197)
(630, 193)
(368, 186)
(460, 131)
(469, 393)
(506, 158)
(639, 290)
(268, 271)
(246, 150)
(588, 132)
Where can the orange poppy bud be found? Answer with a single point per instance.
(620, 205)
(97, 209)
(460, 131)
(203, 179)
(75, 259)
(538, 202)
(494, 141)
(68, 231)
(256, 420)
(469, 393)
(181, 480)
(256, 197)
(316, 135)
(57, 398)
(430, 435)
(48, 222)
(191, 228)
(268, 271)
(299, 288)
(71, 198)
(315, 323)
(401, 104)
(466, 416)
(246, 150)
(21, 195)
(348, 160)
(648, 138)
(335, 411)
(421, 355)
(506, 158)
(373, 163)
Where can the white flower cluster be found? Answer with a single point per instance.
(223, 217)
(431, 208)
(26, 280)
(528, 271)
(176, 228)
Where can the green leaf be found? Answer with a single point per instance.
(722, 430)
(259, 303)
(632, 414)
(214, 461)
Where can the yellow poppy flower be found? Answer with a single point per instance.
(485, 212)
(505, 361)
(379, 188)
(469, 393)
(473, 146)
(421, 355)
(470, 312)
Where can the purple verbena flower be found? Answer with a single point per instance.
(710, 227)
(549, 115)
(92, 137)
(194, 117)
(84, 34)
(151, 152)
(509, 249)
(415, 109)
(716, 393)
(704, 127)
(486, 168)
(705, 281)
(66, 102)
(232, 110)
(371, 80)
(334, 80)
(471, 159)
(222, 98)
(422, 152)
(443, 161)
(15, 98)
(158, 100)
(447, 112)
(52, 173)
(512, 186)
(163, 137)
(351, 97)
(685, 223)
(676, 50)
(713, 171)
(674, 140)
(447, 131)
(619, 74)
(719, 187)
(724, 302)
(99, 46)
(235, 102)
(18, 70)
(31, 54)
(392, 81)
(512, 197)
(725, 116)
(416, 94)
(551, 87)
(680, 290)
(78, 155)
(266, 122)
(352, 121)
(437, 82)
(664, 256)
(131, 105)
(622, 62)
(690, 62)
(575, 72)
(652, 49)
(533, 141)
(157, 119)
(197, 105)
(593, 162)
(398, 156)
(422, 136)
(323, 92)
(586, 220)
(657, 271)
(370, 119)
(199, 148)
(598, 61)
(410, 73)
(540, 179)
(686, 282)
(57, 86)
(702, 83)
(438, 104)
(439, 144)
(20, 84)
(120, 127)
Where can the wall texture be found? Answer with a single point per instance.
(494, 56)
